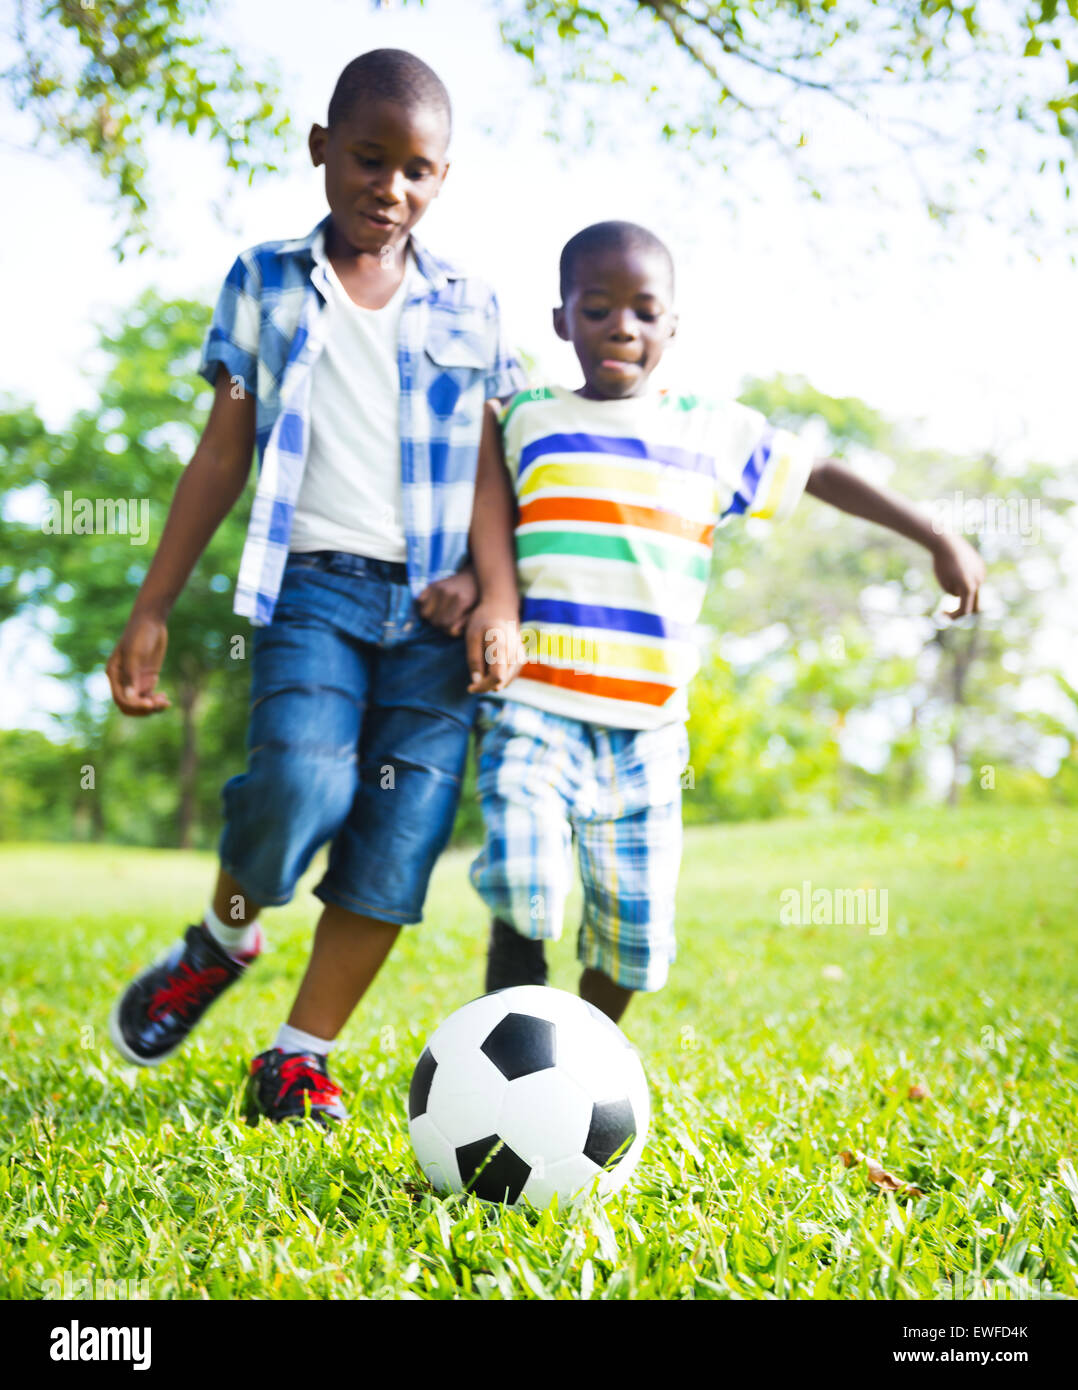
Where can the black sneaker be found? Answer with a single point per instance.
(513, 959)
(292, 1085)
(159, 1008)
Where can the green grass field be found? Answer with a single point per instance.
(773, 1049)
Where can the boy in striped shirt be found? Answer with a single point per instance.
(617, 490)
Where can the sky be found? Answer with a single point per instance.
(967, 340)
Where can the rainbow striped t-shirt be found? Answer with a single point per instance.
(619, 500)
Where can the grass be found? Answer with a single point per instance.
(773, 1049)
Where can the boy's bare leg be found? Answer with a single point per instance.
(231, 903)
(348, 952)
(601, 991)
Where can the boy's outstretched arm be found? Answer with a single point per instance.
(207, 491)
(959, 569)
(493, 629)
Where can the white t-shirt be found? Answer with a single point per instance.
(350, 497)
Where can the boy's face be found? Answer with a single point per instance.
(385, 162)
(618, 315)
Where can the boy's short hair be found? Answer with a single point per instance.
(609, 236)
(389, 74)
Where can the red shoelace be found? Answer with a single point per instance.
(190, 987)
(323, 1091)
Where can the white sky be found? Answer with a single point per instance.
(973, 340)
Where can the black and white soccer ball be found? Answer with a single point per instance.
(527, 1094)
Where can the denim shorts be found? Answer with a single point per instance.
(358, 733)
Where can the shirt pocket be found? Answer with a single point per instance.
(464, 348)
(458, 361)
(457, 337)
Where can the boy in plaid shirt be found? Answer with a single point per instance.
(358, 363)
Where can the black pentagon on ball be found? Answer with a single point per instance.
(612, 1130)
(521, 1044)
(419, 1090)
(490, 1169)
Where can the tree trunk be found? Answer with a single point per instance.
(189, 697)
(97, 817)
(963, 655)
(908, 776)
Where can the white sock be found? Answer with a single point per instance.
(237, 941)
(291, 1039)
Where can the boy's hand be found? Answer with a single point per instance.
(492, 640)
(134, 666)
(960, 570)
(448, 602)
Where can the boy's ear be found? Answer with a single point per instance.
(445, 175)
(673, 327)
(316, 143)
(561, 328)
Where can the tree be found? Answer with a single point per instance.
(754, 752)
(850, 611)
(104, 486)
(39, 786)
(100, 75)
(979, 99)
(1064, 730)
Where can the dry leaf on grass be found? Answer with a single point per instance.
(878, 1174)
(917, 1092)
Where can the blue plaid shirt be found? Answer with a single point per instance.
(267, 332)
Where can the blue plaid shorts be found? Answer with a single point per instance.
(545, 779)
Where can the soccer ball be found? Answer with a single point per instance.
(527, 1094)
